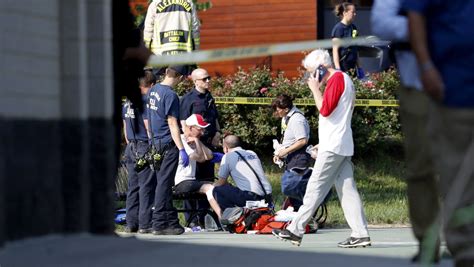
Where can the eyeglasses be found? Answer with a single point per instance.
(205, 79)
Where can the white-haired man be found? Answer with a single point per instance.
(333, 165)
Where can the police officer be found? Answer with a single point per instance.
(200, 101)
(141, 179)
(163, 111)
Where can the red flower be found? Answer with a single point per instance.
(369, 84)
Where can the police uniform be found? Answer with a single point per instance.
(347, 55)
(141, 182)
(164, 102)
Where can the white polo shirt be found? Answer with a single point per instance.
(243, 176)
(297, 128)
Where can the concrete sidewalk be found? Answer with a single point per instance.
(391, 247)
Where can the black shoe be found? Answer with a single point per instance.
(285, 235)
(176, 230)
(145, 231)
(130, 229)
(354, 242)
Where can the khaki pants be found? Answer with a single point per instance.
(332, 169)
(452, 134)
(422, 184)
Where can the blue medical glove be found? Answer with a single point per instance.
(360, 73)
(217, 157)
(184, 157)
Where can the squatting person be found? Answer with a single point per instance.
(246, 170)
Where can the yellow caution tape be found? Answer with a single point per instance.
(301, 101)
(376, 103)
(202, 56)
(215, 55)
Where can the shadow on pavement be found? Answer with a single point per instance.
(87, 250)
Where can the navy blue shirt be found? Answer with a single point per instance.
(451, 40)
(348, 55)
(195, 102)
(163, 102)
(134, 125)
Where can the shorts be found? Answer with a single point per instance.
(228, 196)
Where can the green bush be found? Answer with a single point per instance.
(374, 126)
(255, 124)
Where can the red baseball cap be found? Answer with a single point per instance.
(196, 120)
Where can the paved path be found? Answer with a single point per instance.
(391, 247)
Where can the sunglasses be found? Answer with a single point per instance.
(205, 79)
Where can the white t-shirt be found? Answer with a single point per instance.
(241, 173)
(189, 172)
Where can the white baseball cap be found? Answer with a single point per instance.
(196, 120)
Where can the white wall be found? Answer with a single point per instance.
(29, 59)
(55, 59)
(57, 138)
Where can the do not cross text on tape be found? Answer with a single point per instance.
(301, 101)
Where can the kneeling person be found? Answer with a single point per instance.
(234, 163)
(185, 179)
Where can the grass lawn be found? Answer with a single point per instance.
(380, 184)
(379, 181)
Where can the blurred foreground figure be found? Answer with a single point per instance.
(442, 38)
(422, 183)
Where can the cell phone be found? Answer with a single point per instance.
(322, 71)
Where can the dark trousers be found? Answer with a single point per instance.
(347, 66)
(141, 188)
(204, 173)
(293, 185)
(164, 214)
